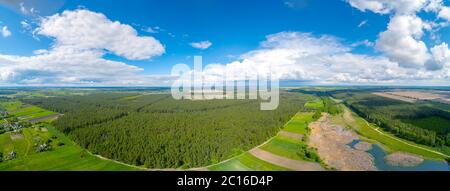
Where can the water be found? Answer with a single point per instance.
(353, 143)
(379, 154)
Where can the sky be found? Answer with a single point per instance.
(310, 42)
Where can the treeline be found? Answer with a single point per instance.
(157, 131)
(391, 116)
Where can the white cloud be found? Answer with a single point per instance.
(441, 56)
(41, 51)
(81, 39)
(366, 43)
(320, 60)
(25, 25)
(27, 11)
(23, 9)
(445, 13)
(389, 6)
(362, 23)
(401, 42)
(201, 45)
(152, 29)
(86, 30)
(6, 32)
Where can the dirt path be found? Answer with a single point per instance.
(331, 142)
(285, 162)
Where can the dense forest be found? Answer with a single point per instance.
(414, 122)
(157, 131)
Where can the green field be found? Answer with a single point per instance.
(25, 111)
(290, 148)
(299, 123)
(316, 104)
(32, 112)
(68, 156)
(11, 106)
(374, 134)
(246, 162)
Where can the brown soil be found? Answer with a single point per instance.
(331, 144)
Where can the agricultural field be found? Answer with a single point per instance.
(416, 95)
(287, 150)
(24, 111)
(247, 162)
(316, 104)
(299, 123)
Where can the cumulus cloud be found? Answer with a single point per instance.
(445, 13)
(86, 30)
(5, 31)
(441, 55)
(317, 59)
(201, 45)
(389, 6)
(81, 39)
(402, 41)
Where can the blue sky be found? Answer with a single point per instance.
(234, 28)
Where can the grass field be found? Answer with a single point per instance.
(66, 157)
(25, 111)
(299, 123)
(31, 112)
(374, 134)
(246, 162)
(290, 148)
(316, 104)
(11, 106)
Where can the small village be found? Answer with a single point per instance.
(15, 126)
(10, 123)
